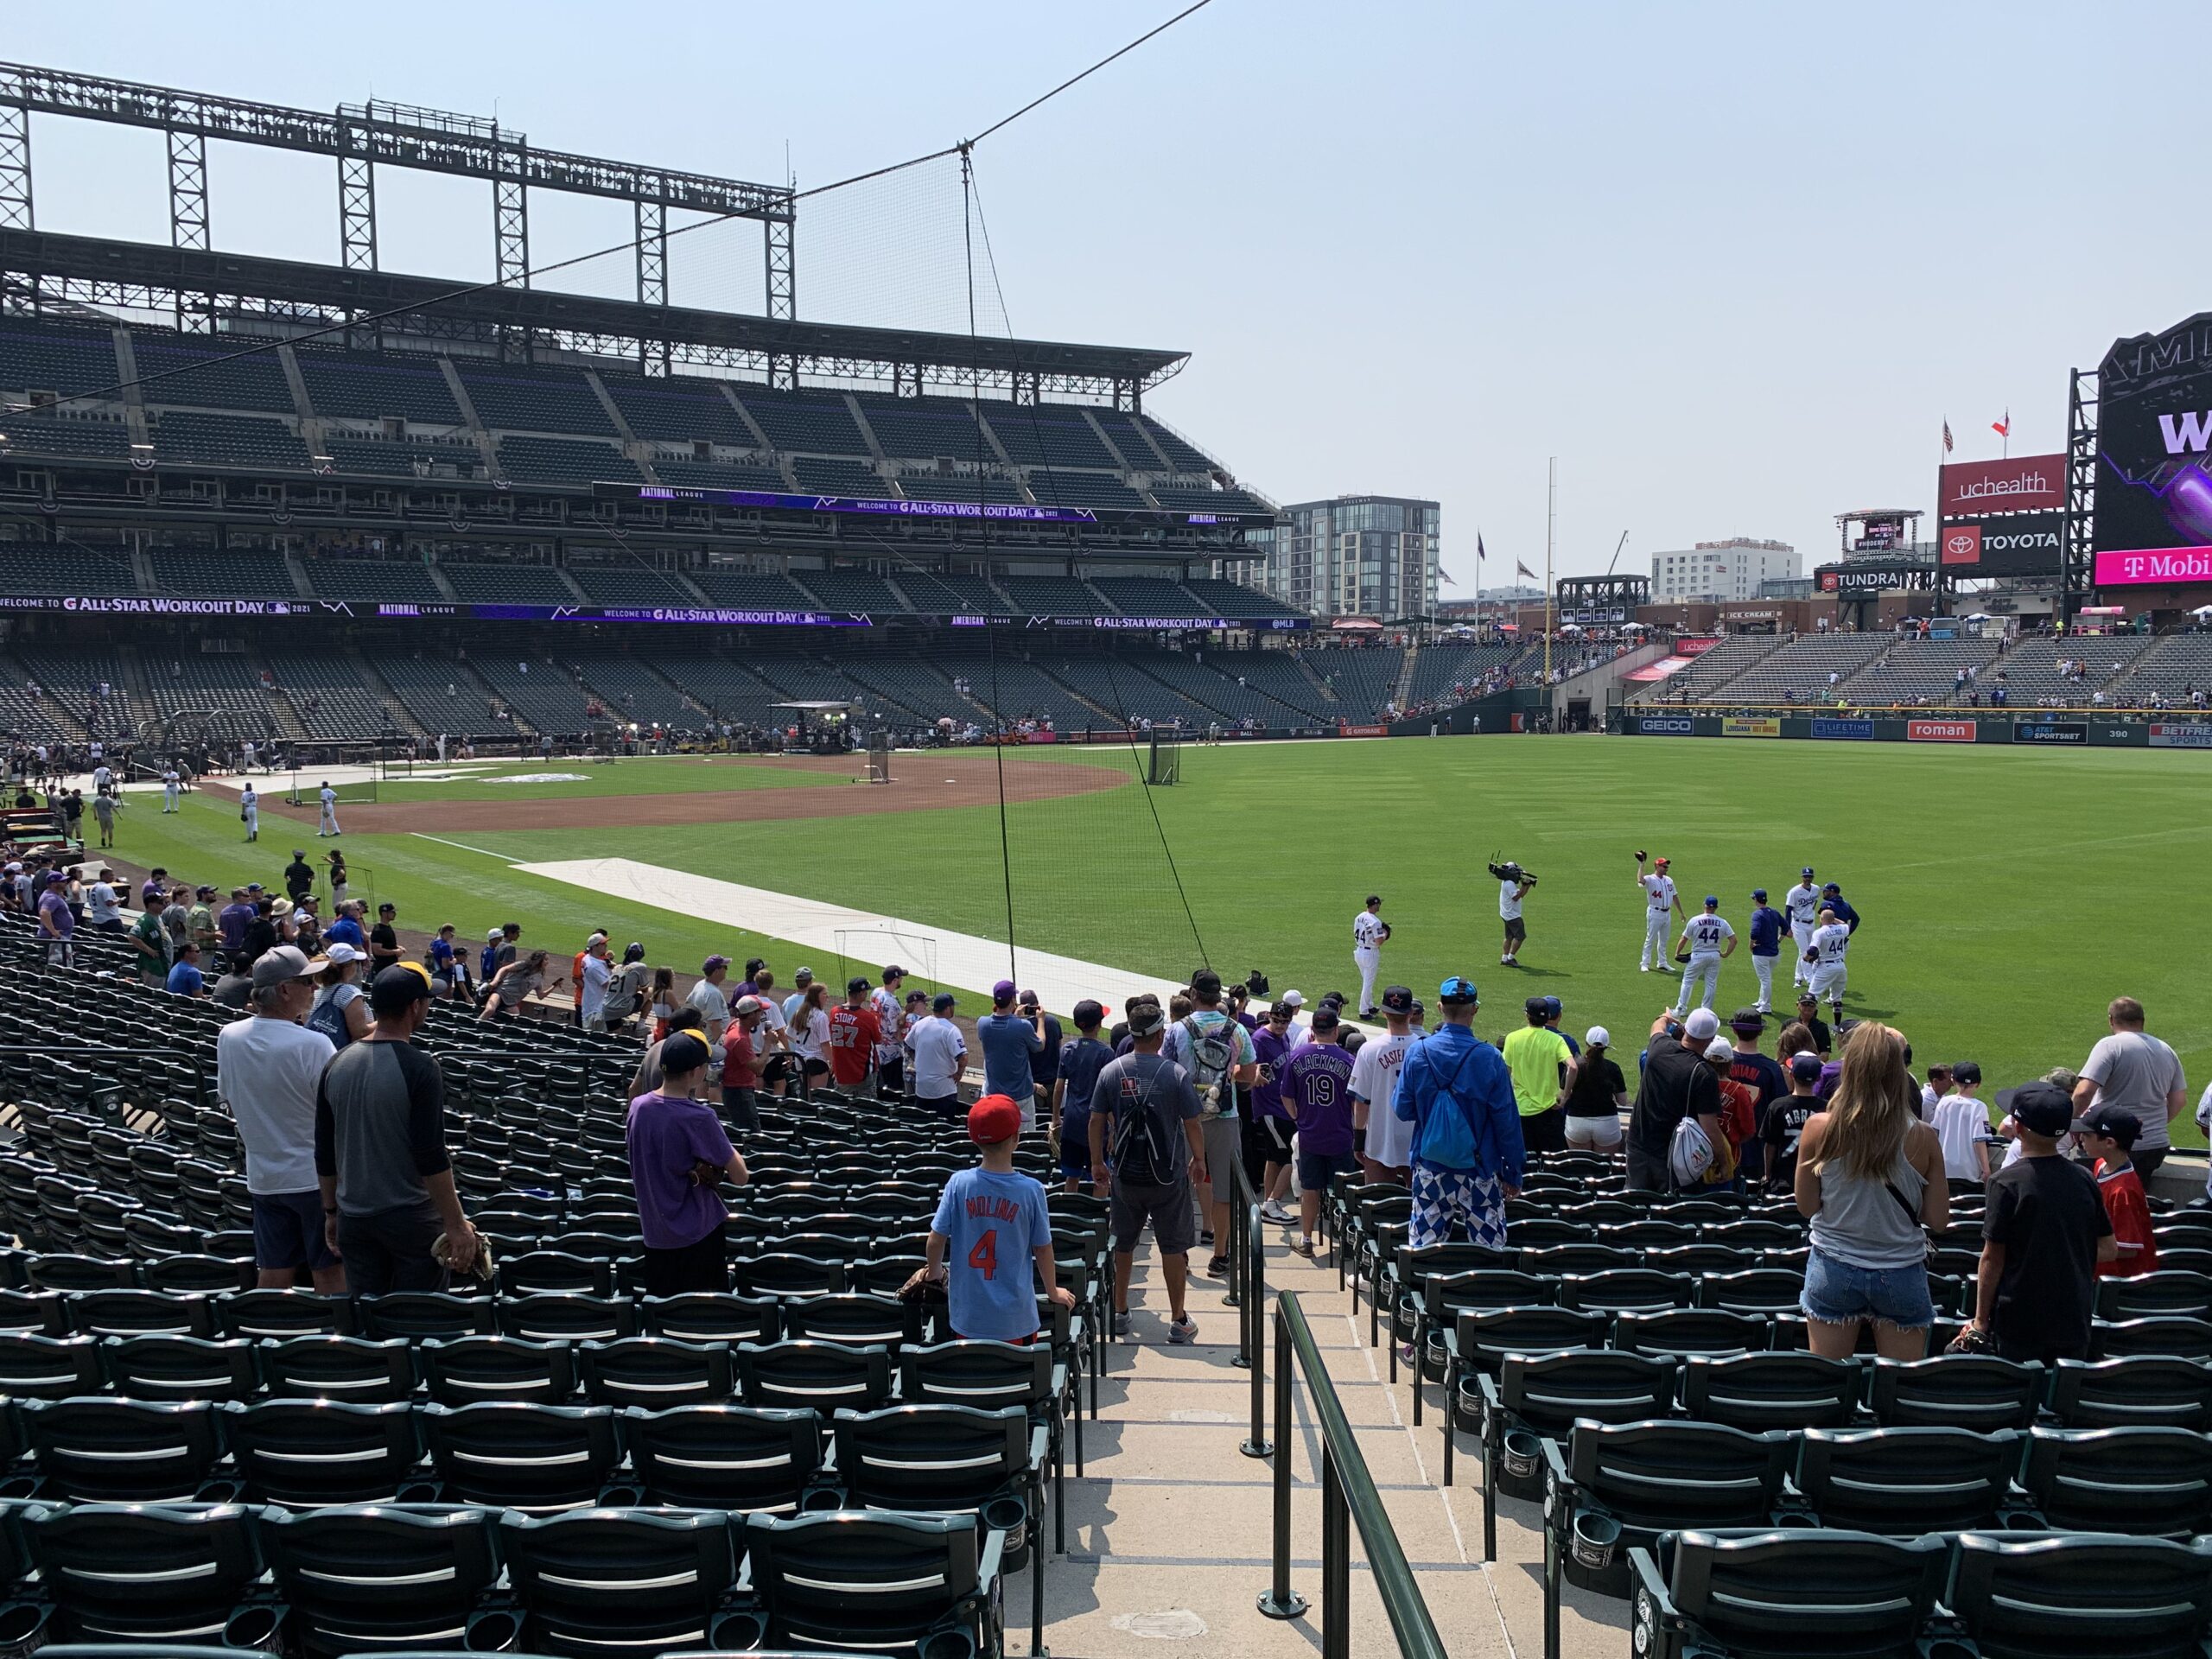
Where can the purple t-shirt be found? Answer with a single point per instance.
(667, 1135)
(53, 904)
(1273, 1053)
(1317, 1084)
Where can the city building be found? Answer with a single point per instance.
(1357, 556)
(1712, 572)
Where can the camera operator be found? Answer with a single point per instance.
(1513, 886)
(1010, 1042)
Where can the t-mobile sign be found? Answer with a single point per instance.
(2118, 569)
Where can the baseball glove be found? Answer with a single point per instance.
(1682, 955)
(1386, 932)
(1639, 854)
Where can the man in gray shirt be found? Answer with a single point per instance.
(1145, 1112)
(380, 1151)
(2134, 1070)
(269, 1069)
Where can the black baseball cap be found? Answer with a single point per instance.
(1205, 983)
(2044, 1108)
(1806, 1068)
(1397, 999)
(2117, 1122)
(943, 1001)
(1535, 1005)
(1325, 1019)
(682, 1052)
(857, 984)
(1090, 1015)
(1966, 1071)
(396, 988)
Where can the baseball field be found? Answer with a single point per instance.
(2006, 894)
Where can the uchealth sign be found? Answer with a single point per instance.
(2119, 570)
(2021, 484)
(1939, 731)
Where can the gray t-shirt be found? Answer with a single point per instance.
(2135, 1072)
(269, 1071)
(379, 1126)
(1150, 1082)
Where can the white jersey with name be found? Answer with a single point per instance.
(1659, 892)
(1375, 1079)
(1802, 903)
(1367, 931)
(1831, 943)
(1509, 901)
(1707, 934)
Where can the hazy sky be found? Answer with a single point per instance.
(1731, 265)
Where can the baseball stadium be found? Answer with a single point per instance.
(646, 725)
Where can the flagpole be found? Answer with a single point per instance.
(1551, 527)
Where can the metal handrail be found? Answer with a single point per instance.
(1348, 1498)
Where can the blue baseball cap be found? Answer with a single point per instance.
(1712, 903)
(1458, 989)
(1830, 887)
(1553, 1006)
(1759, 893)
(1807, 870)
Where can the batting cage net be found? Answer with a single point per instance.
(879, 757)
(306, 789)
(1165, 764)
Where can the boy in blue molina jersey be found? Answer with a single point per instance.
(990, 1224)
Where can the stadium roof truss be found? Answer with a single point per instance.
(202, 286)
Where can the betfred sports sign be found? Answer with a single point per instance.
(2025, 483)
(2181, 735)
(1940, 731)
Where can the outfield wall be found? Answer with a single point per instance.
(2062, 727)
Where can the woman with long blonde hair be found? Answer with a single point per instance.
(1870, 1177)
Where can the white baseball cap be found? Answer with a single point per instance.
(342, 953)
(1597, 1037)
(1721, 1049)
(1294, 999)
(1701, 1025)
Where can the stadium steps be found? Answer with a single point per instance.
(142, 572)
(134, 396)
(1191, 697)
(54, 708)
(1324, 692)
(1104, 712)
(681, 690)
(284, 720)
(1737, 654)
(745, 416)
(290, 363)
(571, 584)
(487, 446)
(867, 432)
(398, 713)
(301, 583)
(439, 581)
(1402, 693)
(640, 452)
(131, 675)
(858, 674)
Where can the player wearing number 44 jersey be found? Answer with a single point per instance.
(1368, 930)
(1709, 940)
(1660, 905)
(991, 1224)
(1824, 956)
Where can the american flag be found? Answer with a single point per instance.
(1946, 437)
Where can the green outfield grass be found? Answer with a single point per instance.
(2007, 893)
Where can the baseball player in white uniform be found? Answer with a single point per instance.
(1660, 907)
(1369, 929)
(329, 799)
(1802, 904)
(1710, 940)
(1831, 939)
(170, 784)
(250, 811)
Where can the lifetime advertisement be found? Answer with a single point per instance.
(1750, 725)
(1857, 731)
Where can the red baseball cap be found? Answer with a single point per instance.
(994, 1118)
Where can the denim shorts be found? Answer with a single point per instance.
(1837, 1293)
